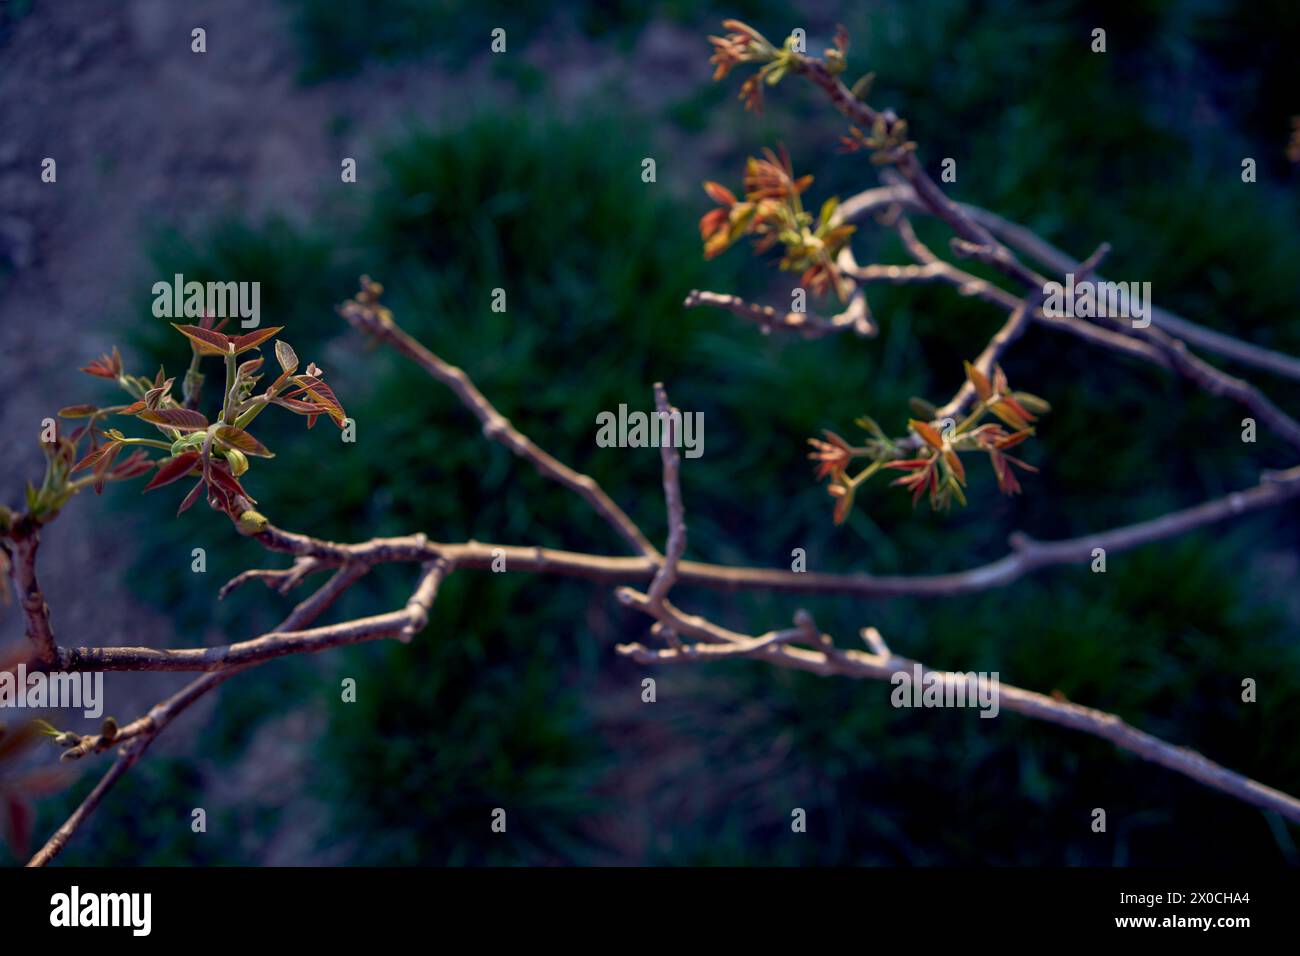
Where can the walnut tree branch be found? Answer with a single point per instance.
(871, 200)
(136, 736)
(23, 542)
(365, 314)
(778, 648)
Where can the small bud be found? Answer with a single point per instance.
(922, 409)
(237, 460)
(252, 522)
(1032, 403)
(190, 442)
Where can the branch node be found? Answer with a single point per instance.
(1019, 541)
(876, 643)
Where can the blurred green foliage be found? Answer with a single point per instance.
(514, 697)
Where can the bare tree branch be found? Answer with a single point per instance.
(366, 315)
(672, 463)
(26, 541)
(776, 647)
(863, 204)
(352, 560)
(139, 734)
(1027, 555)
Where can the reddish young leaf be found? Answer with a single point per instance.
(1022, 464)
(154, 397)
(318, 392)
(927, 433)
(955, 464)
(77, 411)
(1010, 441)
(205, 341)
(238, 438)
(1011, 483)
(1003, 409)
(95, 457)
(720, 194)
(209, 321)
(136, 463)
(182, 419)
(219, 500)
(192, 497)
(285, 355)
(102, 464)
(293, 404)
(918, 487)
(1007, 481)
(1018, 409)
(253, 339)
(173, 470)
(714, 222)
(843, 495)
(106, 366)
(979, 381)
(220, 477)
(832, 455)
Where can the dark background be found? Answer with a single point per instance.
(523, 171)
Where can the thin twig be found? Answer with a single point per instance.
(373, 319)
(672, 464)
(808, 324)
